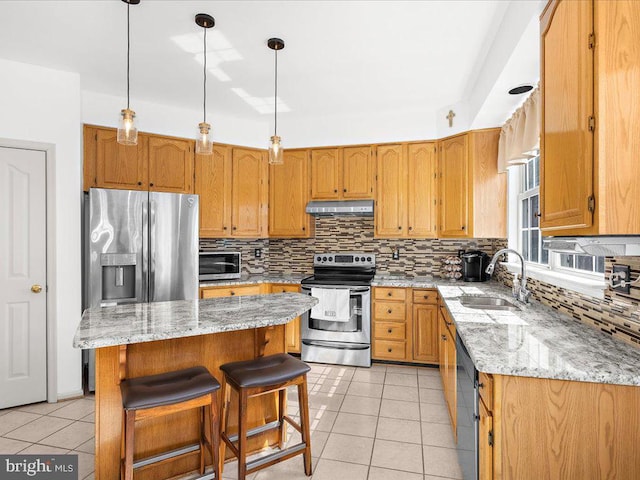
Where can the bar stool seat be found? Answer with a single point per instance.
(167, 393)
(263, 375)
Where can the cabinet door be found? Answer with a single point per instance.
(120, 166)
(451, 394)
(422, 190)
(248, 193)
(442, 351)
(289, 195)
(292, 329)
(357, 172)
(425, 333)
(213, 185)
(325, 174)
(485, 441)
(566, 161)
(239, 291)
(390, 220)
(170, 165)
(454, 187)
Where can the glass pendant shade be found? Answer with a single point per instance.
(204, 146)
(275, 151)
(127, 130)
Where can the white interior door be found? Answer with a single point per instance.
(23, 298)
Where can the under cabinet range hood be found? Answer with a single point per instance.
(610, 246)
(342, 208)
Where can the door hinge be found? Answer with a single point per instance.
(592, 40)
(592, 203)
(490, 438)
(592, 123)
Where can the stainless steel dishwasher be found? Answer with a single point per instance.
(467, 412)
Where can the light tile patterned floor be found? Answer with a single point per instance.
(380, 423)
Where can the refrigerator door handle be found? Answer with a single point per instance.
(152, 249)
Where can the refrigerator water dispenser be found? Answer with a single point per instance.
(118, 276)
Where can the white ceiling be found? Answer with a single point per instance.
(341, 57)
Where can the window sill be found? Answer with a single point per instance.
(587, 286)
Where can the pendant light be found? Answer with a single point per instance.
(127, 130)
(203, 140)
(275, 147)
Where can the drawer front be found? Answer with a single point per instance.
(485, 388)
(382, 293)
(425, 296)
(389, 330)
(389, 350)
(389, 311)
(232, 291)
(285, 288)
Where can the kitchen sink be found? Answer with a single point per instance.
(487, 303)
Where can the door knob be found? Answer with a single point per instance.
(36, 288)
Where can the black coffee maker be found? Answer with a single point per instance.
(474, 264)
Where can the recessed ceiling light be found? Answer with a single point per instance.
(520, 89)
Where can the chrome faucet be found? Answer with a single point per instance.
(519, 287)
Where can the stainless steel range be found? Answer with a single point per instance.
(338, 329)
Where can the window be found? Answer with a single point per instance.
(529, 239)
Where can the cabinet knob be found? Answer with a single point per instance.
(389, 311)
(224, 228)
(449, 323)
(410, 228)
(151, 184)
(335, 190)
(462, 227)
(426, 297)
(399, 227)
(389, 294)
(480, 385)
(444, 338)
(233, 293)
(537, 214)
(389, 350)
(389, 330)
(344, 190)
(234, 228)
(139, 183)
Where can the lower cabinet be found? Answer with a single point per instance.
(485, 443)
(292, 331)
(447, 355)
(405, 324)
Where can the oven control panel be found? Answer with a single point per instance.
(345, 259)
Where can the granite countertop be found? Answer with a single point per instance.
(255, 279)
(146, 322)
(537, 341)
(403, 281)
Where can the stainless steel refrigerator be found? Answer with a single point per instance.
(139, 247)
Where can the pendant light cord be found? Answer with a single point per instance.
(275, 98)
(204, 96)
(128, 52)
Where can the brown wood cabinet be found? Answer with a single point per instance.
(590, 136)
(406, 191)
(292, 330)
(447, 355)
(234, 291)
(485, 442)
(289, 192)
(342, 173)
(156, 163)
(249, 193)
(425, 326)
(473, 195)
(213, 185)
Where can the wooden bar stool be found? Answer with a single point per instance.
(252, 378)
(157, 395)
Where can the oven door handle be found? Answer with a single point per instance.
(351, 290)
(337, 345)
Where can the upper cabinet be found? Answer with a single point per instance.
(232, 185)
(590, 136)
(156, 163)
(406, 191)
(170, 164)
(213, 185)
(341, 173)
(289, 191)
(473, 195)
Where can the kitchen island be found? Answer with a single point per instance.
(146, 339)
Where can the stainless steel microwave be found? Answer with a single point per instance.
(219, 265)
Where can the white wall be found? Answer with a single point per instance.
(101, 109)
(43, 105)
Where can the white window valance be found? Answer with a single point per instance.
(520, 135)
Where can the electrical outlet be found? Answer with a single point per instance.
(396, 254)
(624, 273)
(257, 252)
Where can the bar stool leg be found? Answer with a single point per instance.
(282, 402)
(201, 422)
(242, 433)
(224, 420)
(129, 430)
(303, 400)
(215, 434)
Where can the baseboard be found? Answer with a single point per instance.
(70, 395)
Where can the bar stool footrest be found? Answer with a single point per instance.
(285, 454)
(255, 431)
(143, 462)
